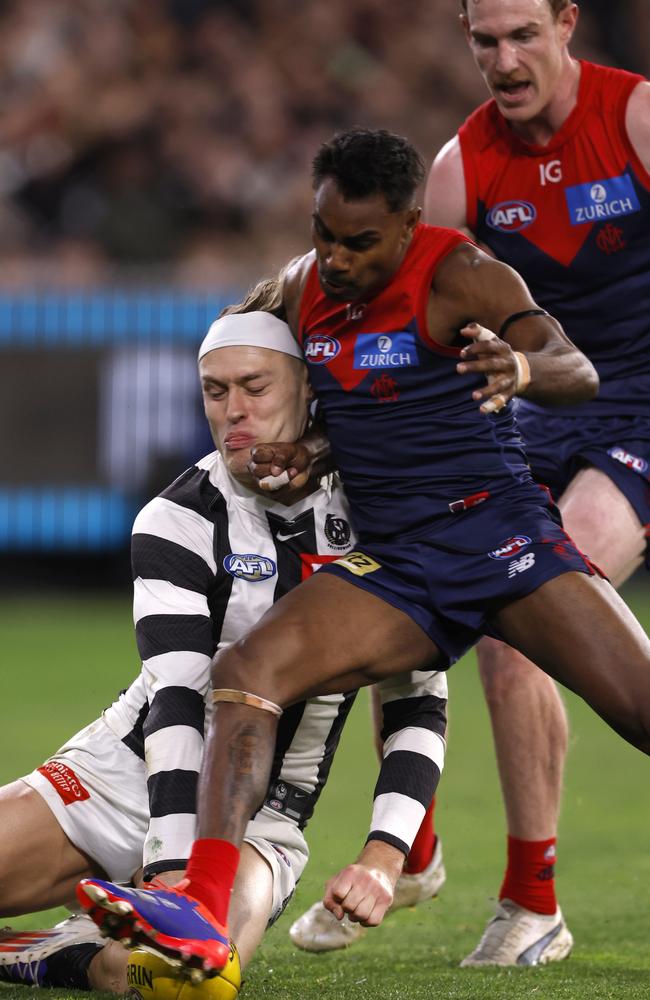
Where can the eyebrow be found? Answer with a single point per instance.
(364, 234)
(482, 35)
(208, 380)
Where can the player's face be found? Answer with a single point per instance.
(521, 52)
(359, 244)
(252, 395)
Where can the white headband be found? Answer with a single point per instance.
(252, 329)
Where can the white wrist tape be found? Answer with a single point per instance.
(275, 482)
(522, 380)
(246, 698)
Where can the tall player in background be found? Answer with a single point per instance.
(552, 175)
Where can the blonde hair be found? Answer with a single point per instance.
(266, 296)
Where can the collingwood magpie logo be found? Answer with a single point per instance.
(337, 531)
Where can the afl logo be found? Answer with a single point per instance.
(511, 547)
(511, 216)
(249, 567)
(319, 349)
(634, 462)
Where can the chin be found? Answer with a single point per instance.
(237, 465)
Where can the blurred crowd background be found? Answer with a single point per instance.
(154, 162)
(171, 139)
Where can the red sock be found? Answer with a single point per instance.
(530, 875)
(424, 844)
(211, 872)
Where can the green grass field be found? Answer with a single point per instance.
(65, 658)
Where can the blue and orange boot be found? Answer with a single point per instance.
(162, 920)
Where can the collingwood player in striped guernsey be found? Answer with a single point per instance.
(210, 555)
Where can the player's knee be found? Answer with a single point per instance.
(633, 723)
(257, 667)
(500, 667)
(511, 682)
(107, 970)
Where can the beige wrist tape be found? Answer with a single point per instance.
(245, 698)
(523, 372)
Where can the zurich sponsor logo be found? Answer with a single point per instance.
(511, 547)
(385, 350)
(511, 216)
(601, 200)
(248, 566)
(319, 349)
(634, 462)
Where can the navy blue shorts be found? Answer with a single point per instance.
(452, 580)
(558, 447)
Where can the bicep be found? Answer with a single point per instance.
(493, 292)
(637, 122)
(445, 199)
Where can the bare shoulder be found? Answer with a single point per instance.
(445, 200)
(637, 122)
(468, 268)
(471, 283)
(293, 286)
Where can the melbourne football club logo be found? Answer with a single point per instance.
(633, 462)
(599, 201)
(319, 349)
(385, 350)
(337, 531)
(511, 547)
(511, 216)
(250, 567)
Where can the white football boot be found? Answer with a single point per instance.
(319, 930)
(516, 936)
(24, 954)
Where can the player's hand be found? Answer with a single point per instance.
(364, 891)
(491, 356)
(280, 464)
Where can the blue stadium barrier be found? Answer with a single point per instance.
(41, 517)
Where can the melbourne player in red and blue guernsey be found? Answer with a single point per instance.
(456, 539)
(552, 175)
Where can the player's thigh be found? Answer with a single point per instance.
(603, 524)
(324, 636)
(39, 866)
(577, 629)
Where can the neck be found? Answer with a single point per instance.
(539, 131)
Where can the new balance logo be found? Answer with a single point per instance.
(521, 565)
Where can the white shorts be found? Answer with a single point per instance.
(97, 789)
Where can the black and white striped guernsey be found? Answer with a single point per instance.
(209, 558)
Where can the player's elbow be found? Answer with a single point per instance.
(581, 381)
(590, 382)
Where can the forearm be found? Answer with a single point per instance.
(414, 714)
(559, 375)
(318, 446)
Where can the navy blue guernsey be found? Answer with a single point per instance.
(408, 439)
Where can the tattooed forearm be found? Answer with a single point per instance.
(236, 767)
